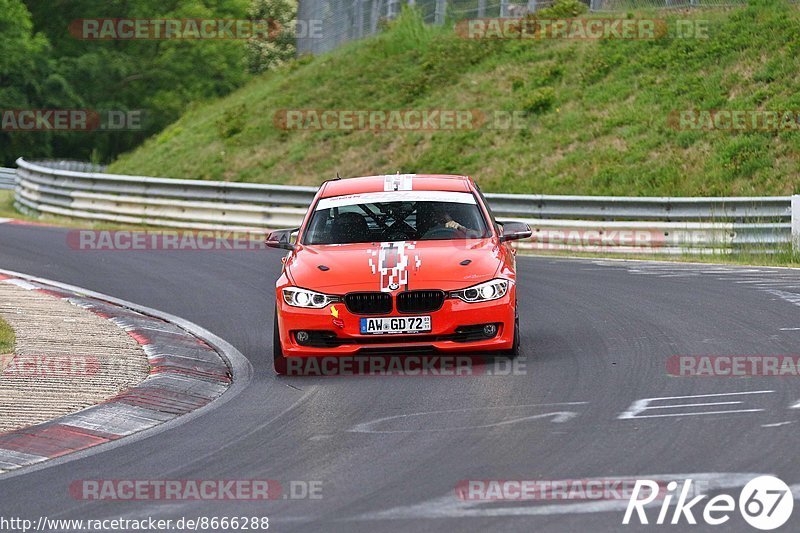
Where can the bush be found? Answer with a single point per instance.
(563, 9)
(539, 100)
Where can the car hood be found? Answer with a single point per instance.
(446, 265)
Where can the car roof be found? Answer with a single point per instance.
(417, 182)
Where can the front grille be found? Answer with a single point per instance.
(368, 303)
(420, 301)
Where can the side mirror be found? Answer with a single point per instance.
(282, 239)
(513, 231)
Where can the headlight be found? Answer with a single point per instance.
(305, 298)
(483, 292)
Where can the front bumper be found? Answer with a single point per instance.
(450, 332)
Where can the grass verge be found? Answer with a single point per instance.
(7, 338)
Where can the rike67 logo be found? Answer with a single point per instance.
(765, 503)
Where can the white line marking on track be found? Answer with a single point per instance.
(642, 405)
(715, 394)
(691, 405)
(776, 424)
(558, 417)
(763, 282)
(790, 297)
(731, 411)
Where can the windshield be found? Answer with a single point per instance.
(396, 216)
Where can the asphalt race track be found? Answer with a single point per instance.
(391, 450)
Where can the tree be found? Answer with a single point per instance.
(161, 77)
(267, 53)
(25, 79)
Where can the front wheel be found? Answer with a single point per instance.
(279, 359)
(513, 352)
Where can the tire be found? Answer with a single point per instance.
(514, 350)
(279, 360)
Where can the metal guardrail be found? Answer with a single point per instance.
(8, 177)
(607, 223)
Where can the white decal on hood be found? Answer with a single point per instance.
(391, 262)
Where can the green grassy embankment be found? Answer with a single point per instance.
(596, 111)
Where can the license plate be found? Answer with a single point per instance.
(395, 324)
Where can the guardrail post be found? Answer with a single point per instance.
(392, 9)
(796, 222)
(359, 6)
(441, 9)
(375, 13)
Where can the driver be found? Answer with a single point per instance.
(446, 221)
(441, 218)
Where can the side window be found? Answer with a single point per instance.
(488, 208)
(319, 227)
